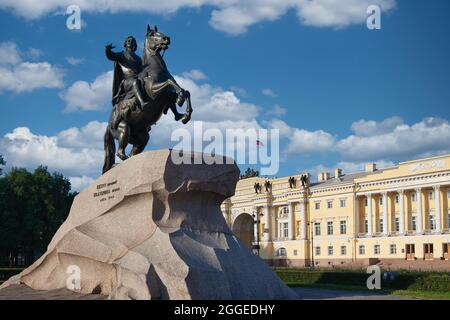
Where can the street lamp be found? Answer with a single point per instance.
(256, 221)
(310, 225)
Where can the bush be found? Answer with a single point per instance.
(403, 280)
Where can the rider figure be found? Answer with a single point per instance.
(126, 69)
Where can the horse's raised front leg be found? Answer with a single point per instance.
(124, 135)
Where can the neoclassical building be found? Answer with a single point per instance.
(398, 217)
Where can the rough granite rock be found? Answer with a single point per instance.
(150, 229)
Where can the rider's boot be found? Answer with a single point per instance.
(123, 140)
(139, 95)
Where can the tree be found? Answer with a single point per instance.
(249, 173)
(32, 207)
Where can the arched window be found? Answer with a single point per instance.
(281, 252)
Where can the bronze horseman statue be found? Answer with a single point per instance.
(143, 89)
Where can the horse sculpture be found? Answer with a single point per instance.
(130, 121)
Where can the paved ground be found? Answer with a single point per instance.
(326, 294)
(22, 292)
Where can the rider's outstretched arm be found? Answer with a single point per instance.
(111, 55)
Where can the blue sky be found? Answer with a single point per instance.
(341, 94)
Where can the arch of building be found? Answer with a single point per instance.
(243, 229)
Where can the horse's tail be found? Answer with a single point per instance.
(110, 150)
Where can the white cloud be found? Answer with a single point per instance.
(194, 74)
(268, 92)
(23, 148)
(365, 128)
(233, 17)
(75, 61)
(277, 111)
(401, 141)
(18, 76)
(83, 96)
(80, 183)
(347, 167)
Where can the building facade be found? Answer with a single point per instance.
(398, 217)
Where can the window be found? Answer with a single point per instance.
(295, 252)
(317, 249)
(413, 197)
(376, 249)
(343, 250)
(343, 225)
(393, 249)
(397, 199)
(414, 223)
(431, 195)
(365, 202)
(366, 226)
(448, 193)
(330, 250)
(317, 228)
(397, 224)
(317, 205)
(432, 222)
(362, 250)
(330, 228)
(284, 210)
(342, 202)
(381, 225)
(330, 204)
(381, 201)
(284, 230)
(281, 252)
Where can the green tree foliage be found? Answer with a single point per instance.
(32, 207)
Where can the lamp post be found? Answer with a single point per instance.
(256, 221)
(310, 225)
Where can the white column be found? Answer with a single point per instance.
(273, 222)
(266, 223)
(369, 215)
(419, 218)
(279, 230)
(255, 224)
(356, 215)
(385, 214)
(303, 222)
(291, 221)
(437, 208)
(402, 211)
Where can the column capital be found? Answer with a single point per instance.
(437, 187)
(384, 193)
(401, 191)
(418, 189)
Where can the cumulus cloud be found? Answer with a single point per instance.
(23, 148)
(268, 92)
(74, 61)
(80, 183)
(277, 111)
(232, 17)
(347, 167)
(89, 96)
(397, 142)
(194, 74)
(18, 76)
(389, 139)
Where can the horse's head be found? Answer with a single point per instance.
(156, 41)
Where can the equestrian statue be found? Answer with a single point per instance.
(143, 90)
